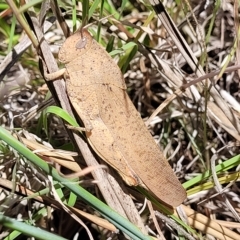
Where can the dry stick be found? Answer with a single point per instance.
(174, 225)
(125, 199)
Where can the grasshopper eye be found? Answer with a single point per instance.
(81, 43)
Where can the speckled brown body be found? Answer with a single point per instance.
(115, 130)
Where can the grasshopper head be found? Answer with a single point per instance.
(74, 46)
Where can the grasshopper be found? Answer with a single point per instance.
(114, 128)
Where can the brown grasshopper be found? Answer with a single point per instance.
(114, 128)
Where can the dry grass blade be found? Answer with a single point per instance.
(97, 220)
(66, 209)
(150, 207)
(48, 153)
(209, 226)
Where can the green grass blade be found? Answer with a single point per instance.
(233, 162)
(62, 114)
(27, 229)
